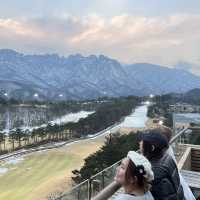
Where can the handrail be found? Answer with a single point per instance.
(107, 191)
(177, 135)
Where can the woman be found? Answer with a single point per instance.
(167, 132)
(166, 184)
(135, 175)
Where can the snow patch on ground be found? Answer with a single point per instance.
(3, 170)
(14, 161)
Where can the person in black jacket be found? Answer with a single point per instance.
(166, 184)
(167, 132)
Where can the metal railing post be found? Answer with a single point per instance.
(89, 188)
(103, 179)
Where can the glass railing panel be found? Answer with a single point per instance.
(103, 179)
(80, 192)
(177, 144)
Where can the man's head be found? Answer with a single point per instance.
(152, 143)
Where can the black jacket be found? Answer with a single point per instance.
(166, 184)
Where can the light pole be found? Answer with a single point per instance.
(35, 95)
(6, 97)
(7, 127)
(60, 97)
(151, 96)
(173, 121)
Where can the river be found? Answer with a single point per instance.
(137, 119)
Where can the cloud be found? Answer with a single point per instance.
(161, 40)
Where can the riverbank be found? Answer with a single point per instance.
(148, 125)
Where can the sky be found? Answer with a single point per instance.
(164, 32)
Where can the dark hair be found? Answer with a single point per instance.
(133, 171)
(151, 151)
(198, 198)
(167, 132)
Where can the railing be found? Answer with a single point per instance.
(101, 186)
(176, 142)
(91, 187)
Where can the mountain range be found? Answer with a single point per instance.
(77, 77)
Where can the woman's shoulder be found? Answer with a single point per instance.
(125, 197)
(147, 196)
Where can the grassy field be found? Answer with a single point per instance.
(42, 173)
